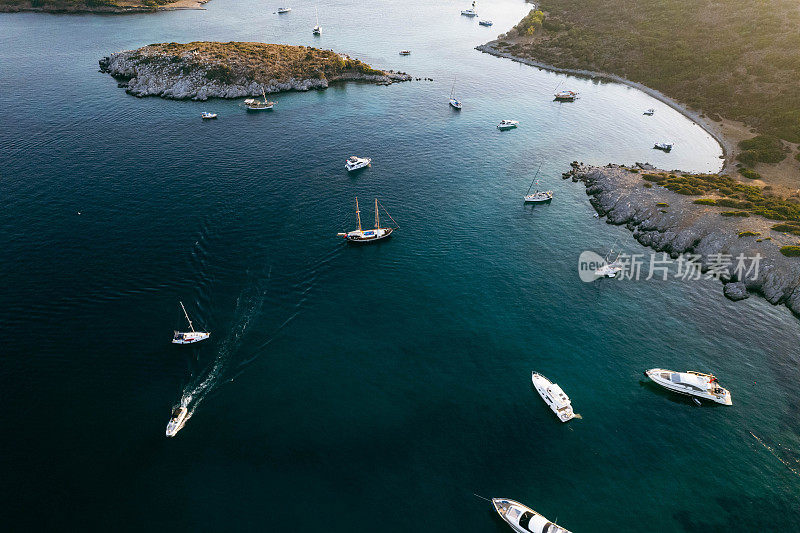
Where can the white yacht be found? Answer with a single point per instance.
(177, 420)
(663, 146)
(649, 112)
(371, 235)
(566, 96)
(206, 115)
(253, 104)
(470, 12)
(507, 124)
(284, 9)
(537, 196)
(691, 383)
(355, 163)
(553, 396)
(189, 337)
(405, 52)
(523, 519)
(485, 22)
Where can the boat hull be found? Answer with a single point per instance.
(383, 233)
(655, 376)
(530, 199)
(189, 337)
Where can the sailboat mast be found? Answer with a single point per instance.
(534, 178)
(187, 317)
(358, 215)
(377, 216)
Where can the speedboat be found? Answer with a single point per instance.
(507, 124)
(284, 9)
(405, 52)
(649, 112)
(691, 383)
(553, 396)
(663, 146)
(523, 519)
(206, 115)
(485, 22)
(470, 12)
(189, 337)
(566, 96)
(177, 420)
(253, 104)
(355, 163)
(361, 235)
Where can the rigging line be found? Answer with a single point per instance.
(388, 215)
(770, 450)
(534, 178)
(481, 497)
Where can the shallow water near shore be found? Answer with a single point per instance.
(357, 388)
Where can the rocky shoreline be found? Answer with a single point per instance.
(199, 71)
(108, 9)
(672, 223)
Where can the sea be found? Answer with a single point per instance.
(344, 388)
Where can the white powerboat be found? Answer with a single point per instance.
(537, 196)
(485, 22)
(470, 12)
(507, 124)
(253, 104)
(663, 146)
(523, 519)
(691, 383)
(355, 163)
(553, 396)
(284, 9)
(371, 235)
(177, 420)
(649, 112)
(405, 52)
(206, 115)
(189, 337)
(566, 96)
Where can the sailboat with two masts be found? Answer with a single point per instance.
(186, 337)
(360, 235)
(537, 196)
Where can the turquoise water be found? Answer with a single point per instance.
(356, 388)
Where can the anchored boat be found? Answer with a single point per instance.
(189, 337)
(205, 115)
(663, 146)
(405, 52)
(317, 29)
(649, 112)
(553, 396)
(691, 383)
(359, 235)
(523, 519)
(537, 197)
(253, 104)
(507, 124)
(470, 12)
(485, 22)
(284, 9)
(453, 102)
(609, 269)
(355, 163)
(566, 96)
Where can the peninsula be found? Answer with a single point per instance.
(106, 7)
(202, 70)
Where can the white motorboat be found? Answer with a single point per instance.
(485, 22)
(284, 9)
(566, 96)
(405, 52)
(177, 420)
(453, 101)
(317, 29)
(691, 383)
(355, 163)
(189, 337)
(663, 146)
(371, 235)
(649, 112)
(206, 115)
(253, 104)
(553, 396)
(507, 124)
(523, 519)
(470, 12)
(537, 196)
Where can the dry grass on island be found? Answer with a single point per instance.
(737, 62)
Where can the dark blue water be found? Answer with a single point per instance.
(347, 388)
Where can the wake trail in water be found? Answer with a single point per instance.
(778, 457)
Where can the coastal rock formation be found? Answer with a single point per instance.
(202, 70)
(670, 222)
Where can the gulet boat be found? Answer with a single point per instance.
(691, 383)
(189, 337)
(253, 104)
(523, 519)
(362, 236)
(553, 396)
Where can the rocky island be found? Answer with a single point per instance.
(202, 70)
(705, 215)
(108, 7)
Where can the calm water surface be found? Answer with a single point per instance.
(345, 388)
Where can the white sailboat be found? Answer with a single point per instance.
(317, 29)
(360, 235)
(453, 102)
(470, 12)
(609, 269)
(537, 196)
(189, 337)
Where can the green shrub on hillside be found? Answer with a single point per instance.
(791, 251)
(761, 149)
(528, 25)
(705, 201)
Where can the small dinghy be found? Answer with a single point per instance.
(523, 519)
(371, 235)
(649, 112)
(485, 22)
(663, 146)
(207, 116)
(405, 52)
(189, 337)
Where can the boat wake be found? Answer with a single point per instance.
(771, 450)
